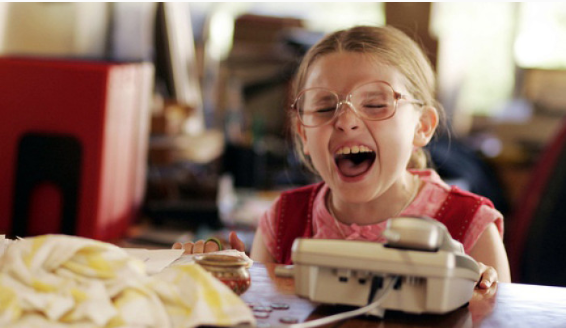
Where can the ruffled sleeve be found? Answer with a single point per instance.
(483, 218)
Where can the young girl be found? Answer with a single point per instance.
(363, 111)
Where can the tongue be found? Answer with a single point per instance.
(351, 169)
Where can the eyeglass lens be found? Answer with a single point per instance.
(372, 101)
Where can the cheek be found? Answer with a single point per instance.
(316, 146)
(307, 142)
(313, 148)
(394, 142)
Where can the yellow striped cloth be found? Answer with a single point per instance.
(63, 281)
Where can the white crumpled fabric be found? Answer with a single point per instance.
(62, 281)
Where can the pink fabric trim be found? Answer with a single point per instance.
(324, 226)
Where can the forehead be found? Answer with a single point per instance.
(343, 71)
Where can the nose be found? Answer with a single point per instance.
(347, 118)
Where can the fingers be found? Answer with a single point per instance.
(202, 246)
(236, 243)
(211, 246)
(188, 248)
(488, 276)
(197, 247)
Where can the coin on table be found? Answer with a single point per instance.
(288, 320)
(279, 306)
(262, 308)
(261, 315)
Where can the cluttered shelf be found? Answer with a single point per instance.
(179, 221)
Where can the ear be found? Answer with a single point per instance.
(303, 136)
(426, 126)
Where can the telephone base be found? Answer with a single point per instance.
(354, 272)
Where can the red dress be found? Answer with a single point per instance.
(294, 216)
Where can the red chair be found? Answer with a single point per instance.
(535, 234)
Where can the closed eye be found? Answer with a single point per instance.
(375, 107)
(325, 110)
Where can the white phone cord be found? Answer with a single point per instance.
(349, 314)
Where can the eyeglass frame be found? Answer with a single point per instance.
(346, 100)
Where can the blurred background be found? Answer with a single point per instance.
(192, 98)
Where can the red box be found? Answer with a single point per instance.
(73, 140)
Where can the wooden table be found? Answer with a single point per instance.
(504, 305)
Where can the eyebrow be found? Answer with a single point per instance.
(373, 93)
(322, 99)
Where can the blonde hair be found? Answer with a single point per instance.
(391, 47)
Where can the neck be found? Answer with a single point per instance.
(388, 205)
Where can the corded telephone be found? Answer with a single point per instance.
(426, 270)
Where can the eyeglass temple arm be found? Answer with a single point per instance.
(407, 98)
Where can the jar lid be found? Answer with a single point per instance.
(220, 260)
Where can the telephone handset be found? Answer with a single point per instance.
(433, 273)
(422, 233)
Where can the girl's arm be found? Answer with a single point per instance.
(259, 252)
(490, 251)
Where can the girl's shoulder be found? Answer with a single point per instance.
(433, 192)
(430, 176)
(295, 199)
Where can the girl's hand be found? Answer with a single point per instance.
(202, 246)
(488, 276)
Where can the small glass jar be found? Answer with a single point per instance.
(232, 271)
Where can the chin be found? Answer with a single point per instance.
(354, 192)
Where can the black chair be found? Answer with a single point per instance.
(455, 161)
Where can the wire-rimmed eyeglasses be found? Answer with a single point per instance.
(373, 101)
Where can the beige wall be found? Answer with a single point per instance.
(53, 28)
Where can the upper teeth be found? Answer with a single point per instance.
(353, 150)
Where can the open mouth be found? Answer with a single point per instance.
(354, 162)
